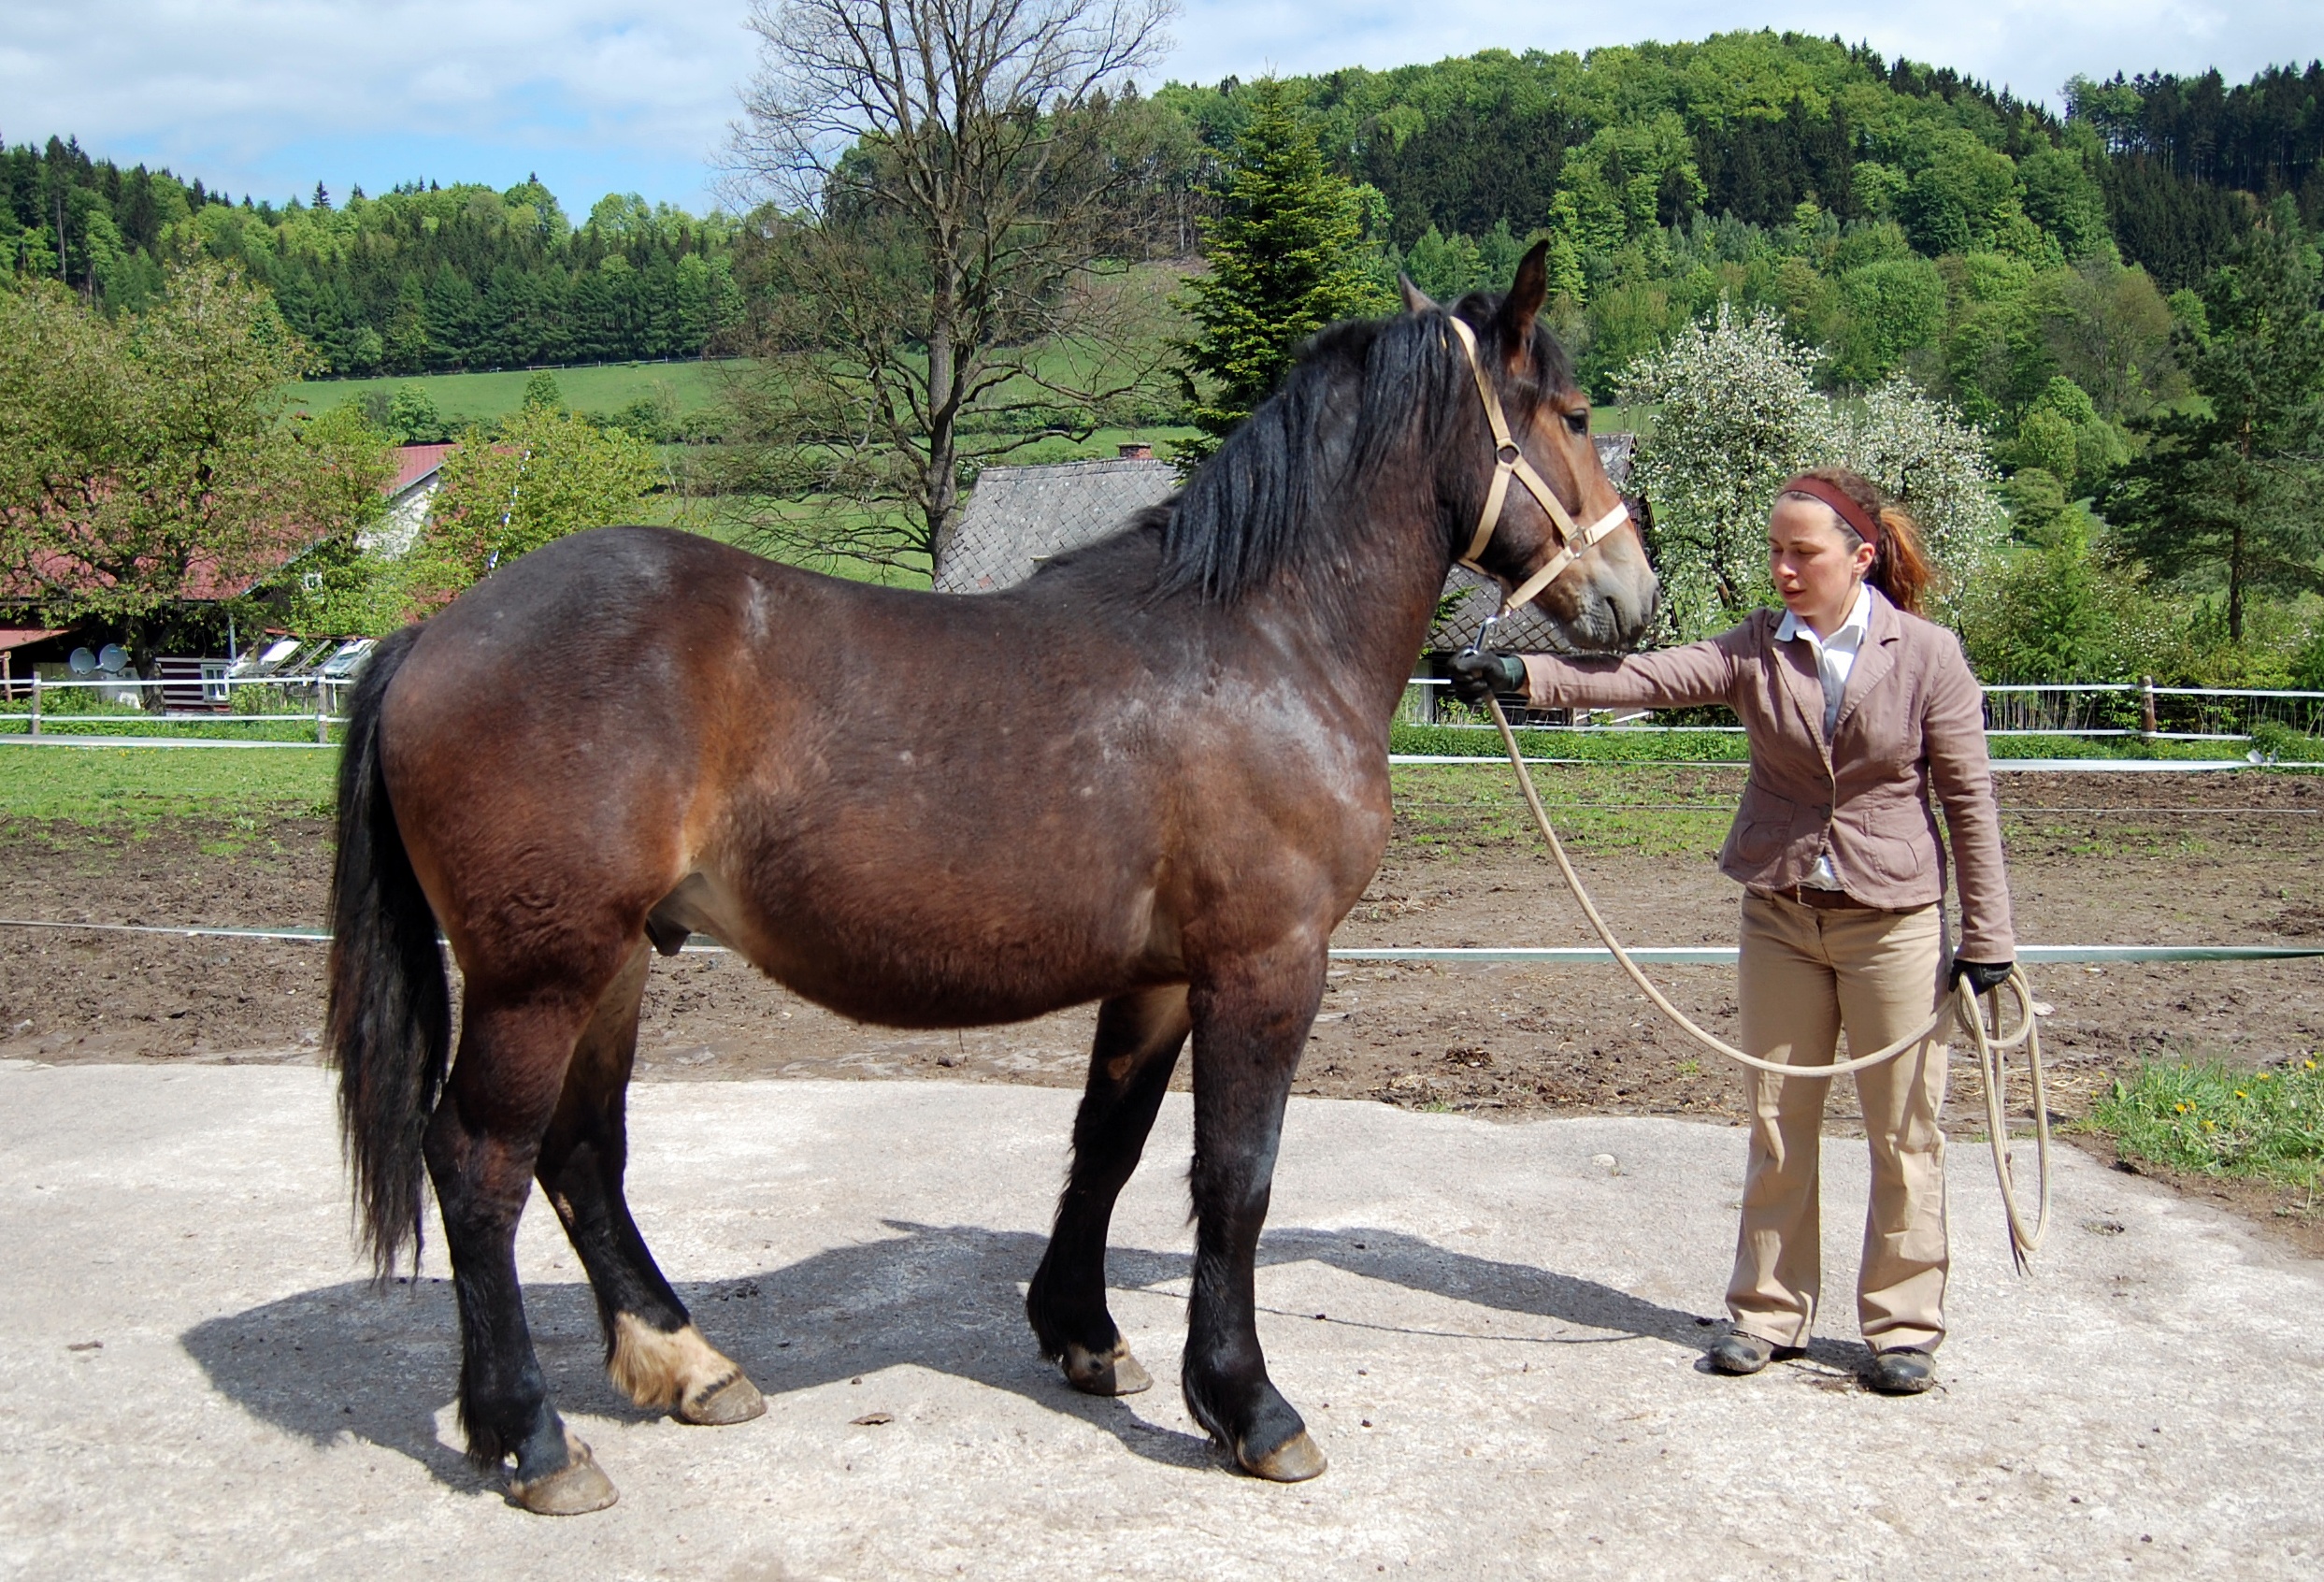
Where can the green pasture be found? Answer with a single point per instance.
(604, 387)
(113, 787)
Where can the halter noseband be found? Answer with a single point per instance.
(1509, 462)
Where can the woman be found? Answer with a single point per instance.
(1856, 708)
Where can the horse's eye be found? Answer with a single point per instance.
(1578, 422)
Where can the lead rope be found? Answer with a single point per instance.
(1992, 1045)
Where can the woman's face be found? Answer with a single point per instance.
(1814, 561)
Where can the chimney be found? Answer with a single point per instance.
(1137, 450)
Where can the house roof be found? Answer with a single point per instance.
(24, 637)
(1020, 517)
(415, 464)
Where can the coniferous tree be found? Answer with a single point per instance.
(1287, 259)
(2235, 491)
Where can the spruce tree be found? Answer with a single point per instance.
(2233, 489)
(1286, 253)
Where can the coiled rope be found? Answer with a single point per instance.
(1991, 1044)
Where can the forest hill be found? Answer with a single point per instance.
(421, 279)
(1623, 155)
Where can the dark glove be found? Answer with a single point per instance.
(1984, 976)
(1476, 676)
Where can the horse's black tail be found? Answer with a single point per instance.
(390, 1007)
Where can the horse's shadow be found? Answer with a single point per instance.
(349, 1360)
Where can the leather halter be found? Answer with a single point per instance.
(1574, 541)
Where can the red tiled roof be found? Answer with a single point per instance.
(413, 463)
(204, 584)
(24, 637)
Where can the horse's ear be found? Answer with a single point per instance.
(1415, 299)
(1523, 305)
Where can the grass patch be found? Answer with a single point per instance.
(1613, 746)
(2209, 1119)
(100, 786)
(1656, 812)
(604, 387)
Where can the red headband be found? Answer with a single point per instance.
(1866, 525)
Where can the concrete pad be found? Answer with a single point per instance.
(1492, 1329)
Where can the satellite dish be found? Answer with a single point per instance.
(112, 659)
(82, 662)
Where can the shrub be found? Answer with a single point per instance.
(2208, 1120)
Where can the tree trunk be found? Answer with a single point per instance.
(2235, 541)
(2235, 585)
(944, 488)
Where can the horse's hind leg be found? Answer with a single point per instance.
(480, 1147)
(653, 1350)
(1139, 1038)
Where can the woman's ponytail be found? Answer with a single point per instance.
(1901, 569)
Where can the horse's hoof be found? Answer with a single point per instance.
(575, 1489)
(1116, 1372)
(1295, 1461)
(735, 1401)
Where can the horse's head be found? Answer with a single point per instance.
(1562, 535)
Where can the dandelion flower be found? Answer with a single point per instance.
(2240, 1093)
(2267, 1076)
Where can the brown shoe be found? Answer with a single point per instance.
(1740, 1353)
(1906, 1371)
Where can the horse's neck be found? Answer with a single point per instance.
(1361, 611)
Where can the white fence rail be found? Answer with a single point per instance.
(180, 700)
(2078, 709)
(2126, 709)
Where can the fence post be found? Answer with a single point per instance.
(35, 702)
(2146, 705)
(322, 713)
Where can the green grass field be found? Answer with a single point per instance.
(103, 786)
(607, 387)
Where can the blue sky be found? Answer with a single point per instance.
(601, 95)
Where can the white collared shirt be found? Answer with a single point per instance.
(1835, 657)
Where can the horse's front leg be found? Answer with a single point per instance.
(1250, 1021)
(1139, 1037)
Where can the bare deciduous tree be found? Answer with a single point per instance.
(929, 285)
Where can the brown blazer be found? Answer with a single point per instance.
(1912, 717)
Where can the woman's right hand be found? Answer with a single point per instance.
(1476, 676)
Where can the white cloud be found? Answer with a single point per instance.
(2031, 46)
(271, 92)
(596, 94)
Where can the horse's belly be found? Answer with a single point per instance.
(928, 966)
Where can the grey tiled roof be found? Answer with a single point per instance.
(1021, 515)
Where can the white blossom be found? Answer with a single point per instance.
(1736, 413)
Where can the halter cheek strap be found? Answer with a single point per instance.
(1574, 541)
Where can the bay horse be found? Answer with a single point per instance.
(632, 734)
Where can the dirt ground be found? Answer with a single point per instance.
(2094, 858)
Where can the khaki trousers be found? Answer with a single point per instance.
(1806, 975)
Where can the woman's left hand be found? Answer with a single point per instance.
(1984, 976)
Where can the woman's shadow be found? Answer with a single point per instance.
(349, 1359)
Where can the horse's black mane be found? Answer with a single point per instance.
(1252, 507)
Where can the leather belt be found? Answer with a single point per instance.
(1822, 901)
